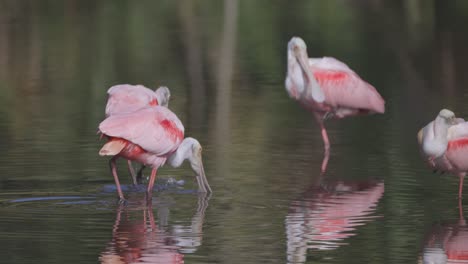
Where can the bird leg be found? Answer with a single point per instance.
(139, 176)
(431, 162)
(132, 172)
(461, 221)
(460, 188)
(328, 115)
(149, 191)
(116, 178)
(326, 157)
(326, 143)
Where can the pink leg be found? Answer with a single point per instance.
(116, 178)
(151, 183)
(132, 172)
(460, 188)
(326, 154)
(461, 220)
(326, 143)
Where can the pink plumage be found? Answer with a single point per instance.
(328, 88)
(345, 92)
(157, 129)
(149, 136)
(126, 98)
(444, 145)
(457, 148)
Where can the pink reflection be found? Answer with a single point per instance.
(325, 216)
(137, 238)
(447, 243)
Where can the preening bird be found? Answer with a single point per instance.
(444, 145)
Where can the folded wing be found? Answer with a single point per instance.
(343, 87)
(156, 129)
(126, 98)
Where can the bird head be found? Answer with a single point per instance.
(306, 82)
(191, 150)
(448, 116)
(297, 45)
(164, 95)
(196, 162)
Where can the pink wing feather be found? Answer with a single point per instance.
(155, 129)
(458, 131)
(126, 98)
(457, 151)
(343, 87)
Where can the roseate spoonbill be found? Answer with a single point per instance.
(126, 98)
(444, 144)
(328, 88)
(151, 136)
(328, 214)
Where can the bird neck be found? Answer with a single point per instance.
(436, 145)
(295, 83)
(182, 153)
(441, 129)
(305, 82)
(161, 99)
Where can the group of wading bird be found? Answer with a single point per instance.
(140, 127)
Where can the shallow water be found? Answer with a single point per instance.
(224, 62)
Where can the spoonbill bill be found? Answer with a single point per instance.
(151, 136)
(328, 88)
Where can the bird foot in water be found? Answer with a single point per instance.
(327, 115)
(123, 201)
(149, 200)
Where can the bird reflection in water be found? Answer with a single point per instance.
(328, 214)
(447, 243)
(137, 237)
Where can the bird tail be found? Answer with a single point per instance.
(112, 148)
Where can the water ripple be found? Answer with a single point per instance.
(325, 217)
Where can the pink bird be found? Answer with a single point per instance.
(127, 98)
(444, 144)
(151, 136)
(328, 88)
